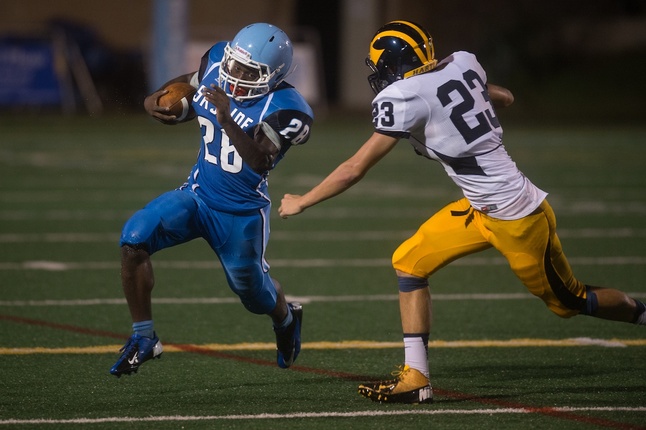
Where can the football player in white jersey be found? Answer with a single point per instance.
(446, 111)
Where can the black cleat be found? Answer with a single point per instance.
(288, 341)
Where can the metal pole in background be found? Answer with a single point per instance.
(359, 21)
(169, 39)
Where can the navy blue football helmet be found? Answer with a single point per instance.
(399, 50)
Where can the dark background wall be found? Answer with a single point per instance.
(572, 59)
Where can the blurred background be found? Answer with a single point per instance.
(575, 60)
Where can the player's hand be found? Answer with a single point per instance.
(151, 104)
(290, 205)
(217, 97)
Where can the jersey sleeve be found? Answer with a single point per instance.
(291, 126)
(212, 56)
(394, 112)
(289, 116)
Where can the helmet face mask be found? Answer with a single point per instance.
(237, 73)
(255, 61)
(399, 50)
(378, 81)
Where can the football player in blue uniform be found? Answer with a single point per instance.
(249, 118)
(445, 109)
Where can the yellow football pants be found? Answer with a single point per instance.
(529, 244)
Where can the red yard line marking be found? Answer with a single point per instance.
(66, 327)
(205, 351)
(342, 375)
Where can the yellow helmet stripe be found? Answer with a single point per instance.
(408, 40)
(429, 46)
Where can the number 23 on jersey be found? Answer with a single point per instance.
(468, 90)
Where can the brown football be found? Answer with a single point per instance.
(179, 99)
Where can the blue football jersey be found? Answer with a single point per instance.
(220, 176)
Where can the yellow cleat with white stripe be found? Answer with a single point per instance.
(409, 386)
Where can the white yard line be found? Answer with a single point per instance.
(301, 299)
(57, 266)
(563, 208)
(322, 236)
(355, 414)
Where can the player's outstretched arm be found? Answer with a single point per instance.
(343, 177)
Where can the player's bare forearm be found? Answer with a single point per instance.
(500, 97)
(343, 177)
(258, 153)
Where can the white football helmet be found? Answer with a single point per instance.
(261, 50)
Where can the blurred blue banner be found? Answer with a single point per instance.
(28, 73)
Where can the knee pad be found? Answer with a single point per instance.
(138, 230)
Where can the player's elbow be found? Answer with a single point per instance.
(500, 97)
(350, 174)
(507, 98)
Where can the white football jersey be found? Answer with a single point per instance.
(447, 116)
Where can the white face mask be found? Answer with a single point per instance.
(246, 79)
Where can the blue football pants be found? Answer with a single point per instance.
(239, 241)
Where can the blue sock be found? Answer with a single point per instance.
(286, 322)
(144, 328)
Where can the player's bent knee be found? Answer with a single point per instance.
(259, 301)
(591, 303)
(560, 309)
(261, 304)
(254, 288)
(589, 306)
(132, 240)
(137, 230)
